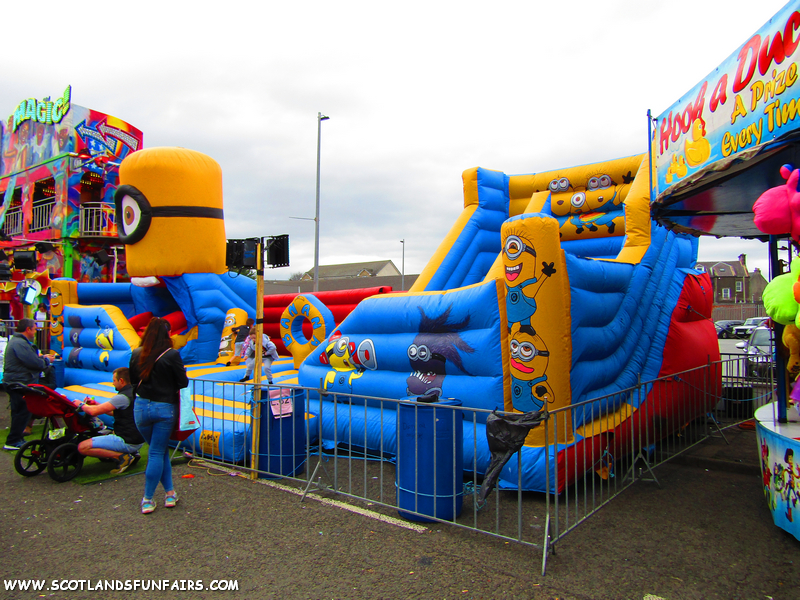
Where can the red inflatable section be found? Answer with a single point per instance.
(672, 402)
(177, 322)
(339, 302)
(692, 339)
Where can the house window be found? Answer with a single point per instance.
(726, 293)
(700, 268)
(739, 286)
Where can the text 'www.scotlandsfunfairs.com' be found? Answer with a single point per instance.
(102, 585)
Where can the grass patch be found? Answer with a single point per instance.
(94, 469)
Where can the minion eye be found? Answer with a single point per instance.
(553, 185)
(605, 181)
(514, 347)
(526, 351)
(513, 246)
(563, 184)
(423, 353)
(578, 199)
(412, 352)
(133, 214)
(593, 183)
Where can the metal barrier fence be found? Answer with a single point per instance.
(9, 326)
(739, 311)
(591, 458)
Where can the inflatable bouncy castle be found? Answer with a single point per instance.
(549, 291)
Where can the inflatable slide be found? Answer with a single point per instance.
(550, 290)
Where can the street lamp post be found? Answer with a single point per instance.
(403, 268)
(320, 119)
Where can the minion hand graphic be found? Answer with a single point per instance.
(548, 269)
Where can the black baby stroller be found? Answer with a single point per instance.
(65, 427)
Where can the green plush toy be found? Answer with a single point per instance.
(779, 298)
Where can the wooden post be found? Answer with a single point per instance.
(256, 418)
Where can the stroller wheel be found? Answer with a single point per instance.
(65, 462)
(31, 458)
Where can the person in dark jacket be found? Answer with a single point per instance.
(123, 445)
(21, 364)
(157, 376)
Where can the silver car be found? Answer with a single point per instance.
(745, 329)
(759, 348)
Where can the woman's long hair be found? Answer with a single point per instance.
(155, 341)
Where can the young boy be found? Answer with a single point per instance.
(270, 354)
(124, 444)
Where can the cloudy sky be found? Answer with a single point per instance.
(416, 92)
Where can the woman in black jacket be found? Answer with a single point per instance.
(157, 376)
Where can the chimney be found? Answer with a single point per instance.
(743, 260)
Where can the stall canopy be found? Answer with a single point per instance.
(718, 148)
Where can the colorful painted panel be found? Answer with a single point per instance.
(780, 467)
(748, 102)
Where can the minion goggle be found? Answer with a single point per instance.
(134, 213)
(526, 351)
(515, 246)
(423, 353)
(340, 347)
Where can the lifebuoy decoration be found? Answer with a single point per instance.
(305, 308)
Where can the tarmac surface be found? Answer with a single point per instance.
(703, 532)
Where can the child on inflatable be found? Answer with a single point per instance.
(269, 354)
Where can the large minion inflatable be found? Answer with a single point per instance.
(169, 212)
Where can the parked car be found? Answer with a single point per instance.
(759, 348)
(725, 328)
(745, 329)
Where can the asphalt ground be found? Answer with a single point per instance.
(704, 531)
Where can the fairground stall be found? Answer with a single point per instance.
(723, 156)
(58, 173)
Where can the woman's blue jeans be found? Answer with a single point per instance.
(155, 421)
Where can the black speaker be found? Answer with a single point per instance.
(25, 260)
(101, 257)
(233, 254)
(278, 251)
(241, 254)
(249, 254)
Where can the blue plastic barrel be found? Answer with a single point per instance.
(58, 370)
(430, 459)
(282, 442)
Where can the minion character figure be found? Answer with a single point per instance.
(560, 190)
(530, 390)
(105, 338)
(171, 198)
(596, 205)
(523, 278)
(234, 318)
(346, 363)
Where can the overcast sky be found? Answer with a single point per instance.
(416, 92)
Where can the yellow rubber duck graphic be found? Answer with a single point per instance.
(698, 150)
(677, 168)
